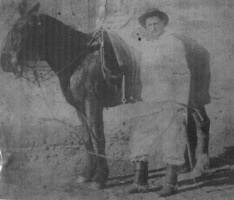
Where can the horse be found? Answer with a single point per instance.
(95, 70)
(88, 71)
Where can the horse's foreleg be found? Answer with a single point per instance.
(94, 114)
(202, 132)
(89, 169)
(90, 165)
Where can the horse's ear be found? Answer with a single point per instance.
(22, 8)
(34, 10)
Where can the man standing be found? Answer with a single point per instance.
(165, 84)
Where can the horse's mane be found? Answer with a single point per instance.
(53, 20)
(61, 39)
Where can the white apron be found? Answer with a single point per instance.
(165, 83)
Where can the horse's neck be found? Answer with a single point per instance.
(62, 44)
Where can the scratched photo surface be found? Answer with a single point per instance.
(100, 99)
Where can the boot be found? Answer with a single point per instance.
(170, 186)
(140, 182)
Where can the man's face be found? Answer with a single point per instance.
(155, 27)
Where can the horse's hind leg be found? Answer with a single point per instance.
(202, 141)
(94, 114)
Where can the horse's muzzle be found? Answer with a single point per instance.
(9, 63)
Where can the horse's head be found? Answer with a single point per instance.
(22, 41)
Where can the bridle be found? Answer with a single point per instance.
(13, 54)
(11, 42)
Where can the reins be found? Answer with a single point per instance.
(3, 44)
(98, 34)
(82, 53)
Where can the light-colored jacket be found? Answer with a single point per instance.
(164, 72)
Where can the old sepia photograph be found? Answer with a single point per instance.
(117, 99)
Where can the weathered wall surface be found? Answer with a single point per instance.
(38, 119)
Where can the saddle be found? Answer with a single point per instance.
(121, 69)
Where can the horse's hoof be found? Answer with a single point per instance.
(202, 165)
(167, 190)
(197, 173)
(83, 179)
(96, 186)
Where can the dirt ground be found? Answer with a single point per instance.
(49, 172)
